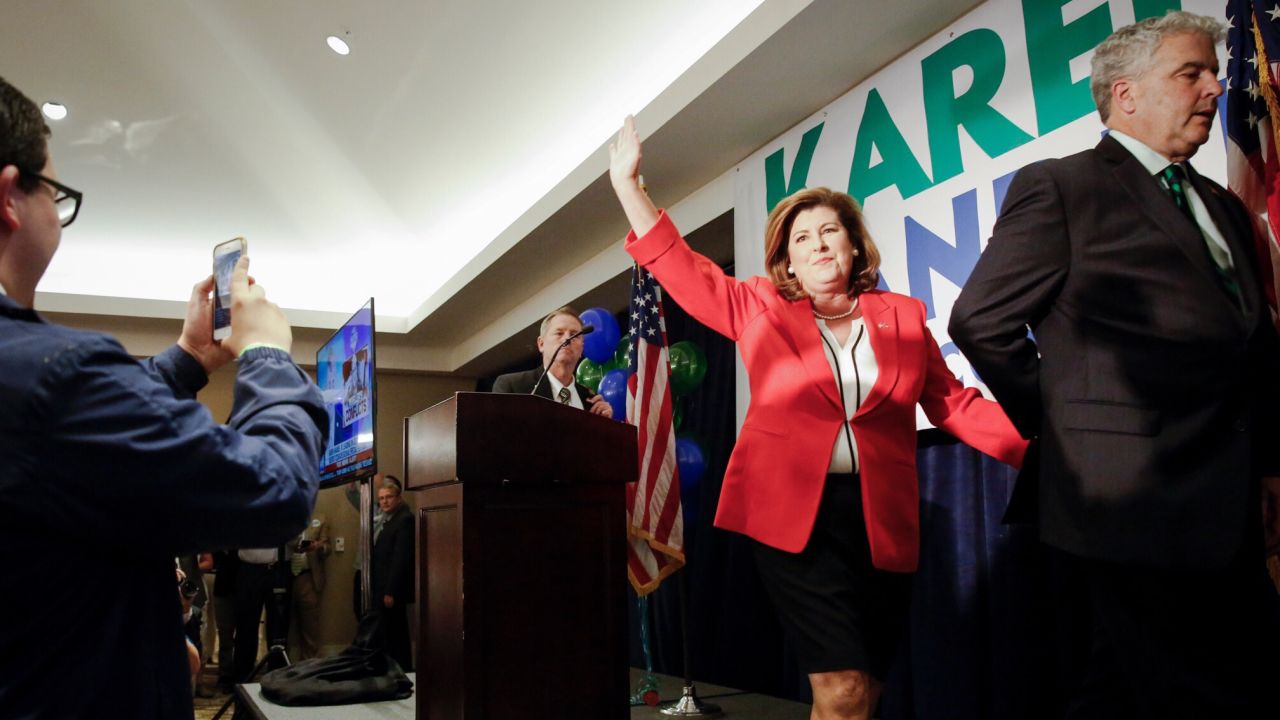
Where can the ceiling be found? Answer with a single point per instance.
(453, 165)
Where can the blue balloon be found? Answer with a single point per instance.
(603, 342)
(613, 388)
(692, 464)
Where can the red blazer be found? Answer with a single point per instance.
(775, 478)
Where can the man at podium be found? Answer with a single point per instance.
(560, 342)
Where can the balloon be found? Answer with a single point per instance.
(677, 413)
(622, 356)
(601, 343)
(589, 373)
(688, 366)
(693, 464)
(621, 359)
(613, 388)
(690, 459)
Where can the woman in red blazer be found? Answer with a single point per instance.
(823, 475)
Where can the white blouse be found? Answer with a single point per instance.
(853, 364)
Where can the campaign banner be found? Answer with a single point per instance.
(930, 143)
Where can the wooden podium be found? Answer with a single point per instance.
(521, 559)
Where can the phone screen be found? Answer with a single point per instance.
(225, 257)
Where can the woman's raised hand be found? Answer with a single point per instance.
(624, 157)
(624, 173)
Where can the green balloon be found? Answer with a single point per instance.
(590, 373)
(622, 356)
(677, 413)
(688, 366)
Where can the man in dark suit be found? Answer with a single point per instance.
(559, 383)
(393, 576)
(1150, 383)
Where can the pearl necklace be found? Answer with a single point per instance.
(841, 316)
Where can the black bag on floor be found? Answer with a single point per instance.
(363, 672)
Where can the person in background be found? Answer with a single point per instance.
(263, 584)
(103, 451)
(823, 475)
(307, 568)
(226, 566)
(192, 619)
(393, 572)
(194, 571)
(352, 493)
(208, 629)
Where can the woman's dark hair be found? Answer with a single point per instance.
(23, 135)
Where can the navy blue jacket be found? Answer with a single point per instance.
(108, 469)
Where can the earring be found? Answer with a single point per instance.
(791, 270)
(855, 252)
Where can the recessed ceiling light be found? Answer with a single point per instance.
(54, 111)
(338, 45)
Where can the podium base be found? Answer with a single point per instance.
(690, 706)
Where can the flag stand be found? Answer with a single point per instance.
(647, 690)
(688, 705)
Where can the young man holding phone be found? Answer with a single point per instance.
(102, 451)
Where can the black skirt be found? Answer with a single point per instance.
(839, 611)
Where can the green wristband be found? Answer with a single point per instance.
(254, 346)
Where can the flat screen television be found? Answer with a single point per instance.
(345, 374)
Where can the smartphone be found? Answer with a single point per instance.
(225, 256)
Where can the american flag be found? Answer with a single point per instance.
(1253, 49)
(655, 524)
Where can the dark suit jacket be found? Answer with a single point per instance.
(520, 383)
(393, 558)
(1148, 387)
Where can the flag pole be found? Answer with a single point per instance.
(649, 319)
(688, 705)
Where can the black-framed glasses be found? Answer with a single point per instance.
(65, 199)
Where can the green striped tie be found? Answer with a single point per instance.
(1175, 178)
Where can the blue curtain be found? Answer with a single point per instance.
(971, 650)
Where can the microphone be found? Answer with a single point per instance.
(586, 330)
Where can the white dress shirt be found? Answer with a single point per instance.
(574, 400)
(1155, 163)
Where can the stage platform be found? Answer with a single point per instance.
(734, 704)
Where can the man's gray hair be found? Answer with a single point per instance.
(1129, 51)
(563, 310)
